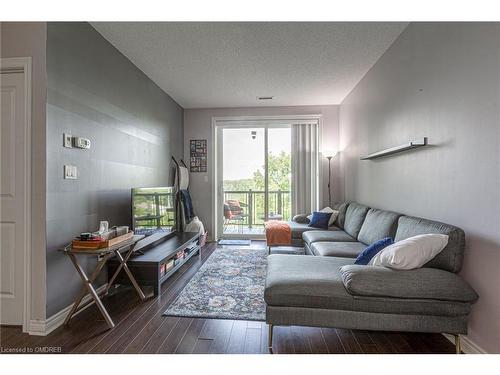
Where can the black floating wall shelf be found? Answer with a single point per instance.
(394, 150)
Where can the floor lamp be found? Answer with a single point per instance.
(329, 155)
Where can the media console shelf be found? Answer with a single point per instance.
(155, 262)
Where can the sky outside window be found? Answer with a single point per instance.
(243, 155)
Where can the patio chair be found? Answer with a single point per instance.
(234, 214)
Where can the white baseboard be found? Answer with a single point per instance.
(36, 327)
(468, 346)
(44, 327)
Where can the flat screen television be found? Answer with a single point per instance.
(153, 210)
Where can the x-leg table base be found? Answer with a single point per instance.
(88, 287)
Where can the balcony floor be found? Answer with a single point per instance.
(244, 229)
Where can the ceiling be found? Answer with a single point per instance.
(208, 65)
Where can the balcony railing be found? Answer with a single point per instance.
(153, 209)
(252, 203)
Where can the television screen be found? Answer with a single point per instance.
(153, 210)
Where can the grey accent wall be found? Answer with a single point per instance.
(198, 125)
(97, 93)
(440, 80)
(28, 39)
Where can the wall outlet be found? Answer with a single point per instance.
(70, 172)
(67, 140)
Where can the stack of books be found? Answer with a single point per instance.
(169, 265)
(179, 257)
(99, 242)
(162, 269)
(190, 247)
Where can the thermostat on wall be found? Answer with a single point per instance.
(81, 142)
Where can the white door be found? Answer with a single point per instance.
(12, 197)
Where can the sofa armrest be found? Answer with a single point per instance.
(421, 283)
(301, 219)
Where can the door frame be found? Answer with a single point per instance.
(23, 65)
(249, 121)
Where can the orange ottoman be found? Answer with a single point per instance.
(278, 233)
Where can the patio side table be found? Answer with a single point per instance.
(103, 255)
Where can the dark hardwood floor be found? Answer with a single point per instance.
(141, 328)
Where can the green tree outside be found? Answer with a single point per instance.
(280, 173)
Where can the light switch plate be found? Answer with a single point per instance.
(67, 140)
(70, 172)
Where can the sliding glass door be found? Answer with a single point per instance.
(279, 175)
(243, 162)
(253, 181)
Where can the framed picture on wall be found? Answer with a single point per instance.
(198, 155)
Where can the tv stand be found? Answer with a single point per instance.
(159, 258)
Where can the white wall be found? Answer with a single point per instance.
(22, 39)
(198, 125)
(441, 81)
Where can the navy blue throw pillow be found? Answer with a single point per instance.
(320, 219)
(367, 254)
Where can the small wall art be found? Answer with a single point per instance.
(198, 155)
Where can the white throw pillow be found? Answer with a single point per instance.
(334, 216)
(410, 253)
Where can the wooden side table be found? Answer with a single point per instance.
(103, 255)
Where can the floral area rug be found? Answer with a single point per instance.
(230, 285)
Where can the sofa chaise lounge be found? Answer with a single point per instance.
(325, 288)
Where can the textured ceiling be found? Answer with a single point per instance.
(204, 65)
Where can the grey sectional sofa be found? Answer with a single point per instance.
(325, 288)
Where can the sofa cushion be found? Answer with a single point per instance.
(367, 254)
(333, 217)
(301, 218)
(299, 228)
(424, 283)
(412, 252)
(341, 207)
(378, 224)
(354, 217)
(320, 219)
(326, 236)
(337, 249)
(450, 259)
(291, 283)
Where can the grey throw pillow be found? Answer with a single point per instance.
(301, 219)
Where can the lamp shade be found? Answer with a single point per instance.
(329, 154)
